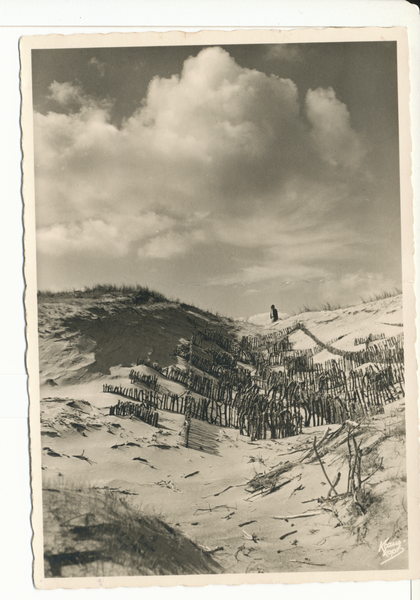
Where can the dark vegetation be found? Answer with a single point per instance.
(328, 306)
(137, 294)
(381, 296)
(143, 293)
(97, 532)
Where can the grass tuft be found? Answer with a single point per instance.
(381, 296)
(328, 306)
(97, 291)
(91, 532)
(139, 295)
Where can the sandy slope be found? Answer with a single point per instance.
(80, 339)
(212, 507)
(203, 494)
(381, 316)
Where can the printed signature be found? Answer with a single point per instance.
(390, 550)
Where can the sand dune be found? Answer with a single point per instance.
(242, 505)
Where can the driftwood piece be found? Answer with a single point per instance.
(306, 562)
(81, 457)
(228, 516)
(266, 491)
(298, 489)
(294, 451)
(211, 509)
(191, 474)
(240, 549)
(282, 537)
(355, 464)
(326, 434)
(143, 460)
(372, 474)
(225, 490)
(210, 550)
(276, 487)
(323, 468)
(311, 513)
(250, 537)
(336, 480)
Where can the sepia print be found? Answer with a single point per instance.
(220, 307)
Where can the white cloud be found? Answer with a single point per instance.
(98, 237)
(93, 236)
(218, 155)
(288, 254)
(99, 65)
(165, 246)
(338, 143)
(284, 52)
(66, 93)
(172, 243)
(216, 123)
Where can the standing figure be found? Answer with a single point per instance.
(274, 314)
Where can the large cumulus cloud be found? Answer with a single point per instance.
(216, 154)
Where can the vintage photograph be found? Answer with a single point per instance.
(220, 307)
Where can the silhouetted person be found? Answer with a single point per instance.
(274, 315)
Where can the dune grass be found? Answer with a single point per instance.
(144, 293)
(328, 306)
(91, 532)
(325, 306)
(381, 296)
(139, 293)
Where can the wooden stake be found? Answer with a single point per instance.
(323, 468)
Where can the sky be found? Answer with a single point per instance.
(230, 177)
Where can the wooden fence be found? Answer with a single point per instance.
(273, 403)
(140, 410)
